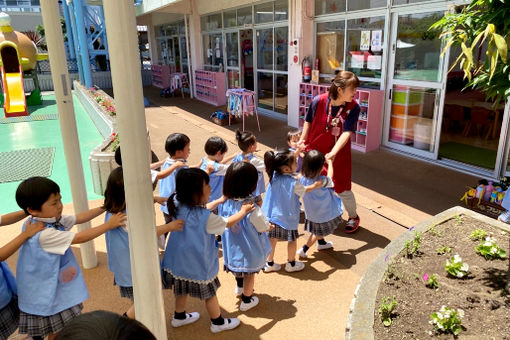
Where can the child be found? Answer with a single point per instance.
(190, 263)
(50, 283)
(248, 144)
(323, 209)
(117, 241)
(282, 207)
(178, 147)
(292, 142)
(245, 246)
(9, 311)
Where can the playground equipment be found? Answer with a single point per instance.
(18, 58)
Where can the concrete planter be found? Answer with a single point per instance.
(101, 162)
(361, 315)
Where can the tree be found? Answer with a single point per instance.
(480, 26)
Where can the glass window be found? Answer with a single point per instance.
(244, 16)
(229, 19)
(417, 49)
(281, 48)
(280, 100)
(265, 49)
(232, 46)
(265, 81)
(264, 13)
(404, 2)
(354, 5)
(329, 6)
(330, 45)
(281, 10)
(364, 46)
(213, 54)
(233, 78)
(184, 52)
(211, 22)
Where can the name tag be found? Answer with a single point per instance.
(335, 131)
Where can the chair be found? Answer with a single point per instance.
(482, 119)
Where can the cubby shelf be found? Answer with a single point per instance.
(210, 87)
(160, 76)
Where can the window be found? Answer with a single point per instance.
(329, 6)
(281, 10)
(244, 16)
(211, 22)
(330, 45)
(213, 54)
(264, 13)
(229, 19)
(405, 2)
(355, 5)
(232, 46)
(265, 49)
(281, 48)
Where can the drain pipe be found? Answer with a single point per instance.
(67, 119)
(127, 88)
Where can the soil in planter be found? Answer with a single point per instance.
(481, 294)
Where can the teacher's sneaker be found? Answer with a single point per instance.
(190, 318)
(227, 324)
(298, 266)
(274, 268)
(328, 245)
(247, 306)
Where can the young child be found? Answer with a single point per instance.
(117, 240)
(323, 209)
(247, 142)
(190, 263)
(178, 147)
(282, 207)
(9, 311)
(245, 246)
(51, 288)
(292, 142)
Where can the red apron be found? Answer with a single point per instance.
(319, 138)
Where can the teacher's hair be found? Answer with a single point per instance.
(343, 79)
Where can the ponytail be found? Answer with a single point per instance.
(269, 161)
(172, 209)
(274, 161)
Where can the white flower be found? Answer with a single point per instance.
(487, 244)
(460, 274)
(443, 308)
(493, 250)
(465, 267)
(440, 326)
(457, 258)
(460, 312)
(440, 316)
(447, 314)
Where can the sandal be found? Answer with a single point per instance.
(352, 225)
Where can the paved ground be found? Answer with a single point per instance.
(393, 192)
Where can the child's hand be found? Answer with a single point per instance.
(176, 225)
(160, 200)
(33, 227)
(271, 226)
(209, 169)
(329, 161)
(119, 219)
(247, 207)
(222, 199)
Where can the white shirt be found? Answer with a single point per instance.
(56, 241)
(215, 224)
(222, 168)
(258, 164)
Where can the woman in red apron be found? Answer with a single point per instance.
(330, 121)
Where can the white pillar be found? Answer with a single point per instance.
(195, 39)
(127, 88)
(190, 71)
(64, 98)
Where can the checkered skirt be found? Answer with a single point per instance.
(127, 292)
(37, 325)
(239, 274)
(323, 229)
(283, 234)
(203, 291)
(9, 318)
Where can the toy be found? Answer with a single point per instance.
(488, 191)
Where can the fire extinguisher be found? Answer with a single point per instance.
(307, 69)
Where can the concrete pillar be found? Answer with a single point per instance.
(72, 18)
(69, 30)
(64, 98)
(197, 55)
(127, 88)
(190, 69)
(82, 40)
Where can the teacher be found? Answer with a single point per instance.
(329, 124)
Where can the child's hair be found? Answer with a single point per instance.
(240, 180)
(245, 139)
(34, 191)
(343, 79)
(175, 142)
(215, 144)
(313, 163)
(275, 160)
(292, 133)
(103, 325)
(189, 188)
(114, 196)
(118, 158)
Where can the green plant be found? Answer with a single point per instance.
(430, 280)
(455, 267)
(413, 245)
(385, 310)
(434, 231)
(459, 219)
(490, 250)
(443, 250)
(447, 320)
(393, 272)
(478, 234)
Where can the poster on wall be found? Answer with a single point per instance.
(376, 41)
(365, 41)
(374, 62)
(357, 61)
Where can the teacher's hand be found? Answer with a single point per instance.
(330, 156)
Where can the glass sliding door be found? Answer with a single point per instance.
(247, 69)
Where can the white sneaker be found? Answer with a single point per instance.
(294, 268)
(301, 253)
(228, 324)
(238, 291)
(190, 318)
(274, 268)
(247, 306)
(328, 245)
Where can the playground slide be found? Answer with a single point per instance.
(14, 94)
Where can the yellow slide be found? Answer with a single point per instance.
(14, 94)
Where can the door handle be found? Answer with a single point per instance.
(390, 94)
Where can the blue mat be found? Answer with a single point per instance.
(18, 165)
(30, 118)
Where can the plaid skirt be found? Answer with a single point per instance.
(125, 292)
(9, 318)
(239, 274)
(283, 234)
(323, 229)
(202, 291)
(37, 325)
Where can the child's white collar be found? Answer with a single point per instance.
(46, 219)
